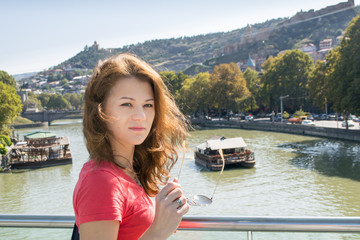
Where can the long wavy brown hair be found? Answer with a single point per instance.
(155, 157)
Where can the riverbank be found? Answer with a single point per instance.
(314, 131)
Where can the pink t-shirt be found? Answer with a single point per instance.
(105, 192)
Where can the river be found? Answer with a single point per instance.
(294, 176)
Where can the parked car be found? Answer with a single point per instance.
(354, 118)
(332, 116)
(240, 116)
(308, 123)
(297, 120)
(350, 123)
(278, 118)
(316, 116)
(323, 117)
(249, 118)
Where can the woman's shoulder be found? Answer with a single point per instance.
(101, 171)
(101, 178)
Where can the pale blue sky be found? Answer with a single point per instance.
(38, 34)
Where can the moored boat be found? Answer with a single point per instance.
(235, 152)
(40, 149)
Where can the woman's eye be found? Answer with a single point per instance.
(126, 105)
(149, 105)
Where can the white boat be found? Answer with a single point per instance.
(235, 152)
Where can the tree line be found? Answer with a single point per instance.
(48, 101)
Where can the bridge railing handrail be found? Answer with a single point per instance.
(209, 223)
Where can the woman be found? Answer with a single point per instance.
(132, 130)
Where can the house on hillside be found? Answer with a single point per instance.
(82, 79)
(325, 44)
(338, 40)
(310, 49)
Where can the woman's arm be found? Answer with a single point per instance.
(168, 213)
(99, 230)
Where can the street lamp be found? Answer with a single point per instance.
(281, 105)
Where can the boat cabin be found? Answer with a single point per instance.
(228, 145)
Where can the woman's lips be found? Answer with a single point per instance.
(137, 129)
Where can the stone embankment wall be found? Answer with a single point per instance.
(341, 134)
(32, 125)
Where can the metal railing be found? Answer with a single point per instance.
(210, 223)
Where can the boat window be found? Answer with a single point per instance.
(214, 152)
(230, 151)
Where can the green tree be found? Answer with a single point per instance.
(286, 74)
(10, 107)
(44, 98)
(76, 100)
(195, 94)
(6, 140)
(173, 81)
(343, 81)
(66, 86)
(3, 150)
(7, 79)
(253, 84)
(317, 84)
(228, 87)
(344, 78)
(51, 77)
(57, 101)
(64, 81)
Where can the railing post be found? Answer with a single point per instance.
(249, 235)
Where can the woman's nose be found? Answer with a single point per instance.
(139, 114)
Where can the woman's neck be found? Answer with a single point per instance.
(123, 154)
(126, 163)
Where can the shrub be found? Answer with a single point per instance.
(3, 150)
(286, 114)
(300, 113)
(6, 139)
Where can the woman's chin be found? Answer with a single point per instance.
(138, 141)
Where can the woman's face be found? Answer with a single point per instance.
(130, 105)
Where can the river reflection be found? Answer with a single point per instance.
(328, 157)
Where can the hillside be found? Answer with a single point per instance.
(168, 54)
(202, 52)
(289, 34)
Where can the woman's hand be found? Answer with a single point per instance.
(171, 205)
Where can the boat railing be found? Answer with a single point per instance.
(210, 223)
(251, 156)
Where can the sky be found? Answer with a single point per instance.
(38, 34)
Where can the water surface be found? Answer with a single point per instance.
(294, 176)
